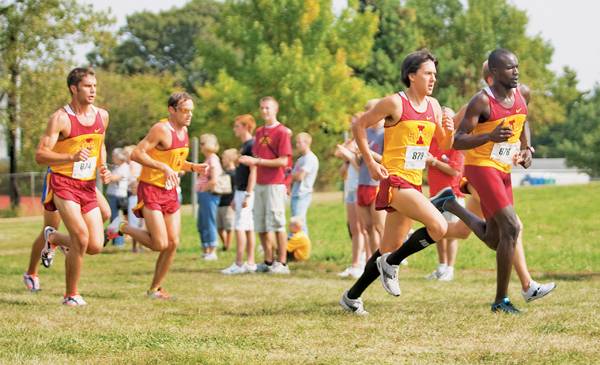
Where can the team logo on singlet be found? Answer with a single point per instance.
(421, 129)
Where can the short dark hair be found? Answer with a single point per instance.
(413, 61)
(177, 98)
(77, 74)
(495, 57)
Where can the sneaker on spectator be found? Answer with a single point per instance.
(279, 268)
(250, 268)
(234, 269)
(74, 301)
(32, 282)
(353, 272)
(263, 267)
(447, 275)
(435, 275)
(211, 256)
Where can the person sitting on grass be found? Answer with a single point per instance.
(298, 248)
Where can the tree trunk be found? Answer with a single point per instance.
(13, 133)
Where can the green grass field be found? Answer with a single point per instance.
(258, 318)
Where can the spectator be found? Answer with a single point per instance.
(348, 152)
(208, 202)
(116, 193)
(304, 175)
(135, 170)
(298, 247)
(272, 151)
(243, 199)
(225, 213)
(445, 168)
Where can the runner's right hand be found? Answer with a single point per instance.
(171, 177)
(501, 133)
(377, 171)
(82, 155)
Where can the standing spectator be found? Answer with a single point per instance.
(371, 220)
(243, 199)
(135, 169)
(304, 175)
(225, 213)
(348, 153)
(208, 202)
(272, 151)
(444, 169)
(116, 193)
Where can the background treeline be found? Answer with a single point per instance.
(321, 66)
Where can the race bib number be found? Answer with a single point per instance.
(84, 169)
(504, 152)
(415, 157)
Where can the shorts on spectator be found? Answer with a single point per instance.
(225, 217)
(365, 195)
(269, 208)
(243, 217)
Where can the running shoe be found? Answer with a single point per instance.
(279, 268)
(32, 282)
(234, 269)
(447, 275)
(250, 268)
(439, 199)
(435, 275)
(389, 275)
(263, 267)
(211, 256)
(353, 305)
(352, 272)
(159, 293)
(49, 250)
(537, 290)
(505, 306)
(74, 301)
(112, 231)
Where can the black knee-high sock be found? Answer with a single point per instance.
(369, 275)
(415, 243)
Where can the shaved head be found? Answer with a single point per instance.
(498, 57)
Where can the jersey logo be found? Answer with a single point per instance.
(518, 110)
(420, 139)
(96, 130)
(429, 117)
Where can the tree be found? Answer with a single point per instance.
(164, 42)
(34, 31)
(298, 52)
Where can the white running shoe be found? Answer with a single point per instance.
(250, 268)
(234, 269)
(112, 230)
(447, 275)
(74, 301)
(353, 305)
(537, 290)
(435, 275)
(389, 275)
(49, 250)
(31, 282)
(279, 268)
(353, 272)
(211, 256)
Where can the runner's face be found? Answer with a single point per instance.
(268, 110)
(507, 73)
(182, 115)
(86, 90)
(423, 81)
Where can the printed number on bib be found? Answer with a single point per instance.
(84, 169)
(504, 152)
(415, 157)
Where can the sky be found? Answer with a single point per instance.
(566, 25)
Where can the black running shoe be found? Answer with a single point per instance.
(440, 198)
(505, 306)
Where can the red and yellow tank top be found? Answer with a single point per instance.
(499, 155)
(174, 156)
(81, 136)
(405, 144)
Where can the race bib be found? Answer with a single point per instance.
(84, 169)
(415, 157)
(504, 152)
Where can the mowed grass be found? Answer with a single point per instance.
(295, 319)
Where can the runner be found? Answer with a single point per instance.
(412, 119)
(162, 154)
(72, 147)
(492, 133)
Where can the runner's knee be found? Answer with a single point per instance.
(437, 229)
